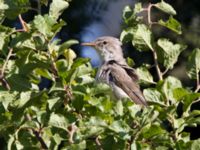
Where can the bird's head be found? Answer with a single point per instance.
(108, 47)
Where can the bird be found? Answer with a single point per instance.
(114, 70)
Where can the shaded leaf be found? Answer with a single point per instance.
(16, 7)
(150, 131)
(171, 24)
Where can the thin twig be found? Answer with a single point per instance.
(148, 9)
(157, 65)
(164, 72)
(2, 73)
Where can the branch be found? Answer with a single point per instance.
(71, 130)
(2, 73)
(37, 134)
(155, 57)
(24, 25)
(98, 143)
(148, 9)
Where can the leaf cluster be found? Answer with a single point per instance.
(75, 112)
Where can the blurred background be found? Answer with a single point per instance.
(89, 19)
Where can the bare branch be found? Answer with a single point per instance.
(157, 65)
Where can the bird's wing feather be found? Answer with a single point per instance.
(126, 83)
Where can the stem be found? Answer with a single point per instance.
(38, 7)
(197, 82)
(2, 73)
(157, 65)
(149, 14)
(164, 72)
(24, 25)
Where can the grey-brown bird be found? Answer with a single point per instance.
(114, 70)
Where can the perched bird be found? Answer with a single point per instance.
(114, 70)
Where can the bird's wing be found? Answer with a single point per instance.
(123, 80)
(131, 72)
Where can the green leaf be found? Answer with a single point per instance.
(130, 61)
(44, 25)
(144, 75)
(142, 37)
(3, 7)
(67, 45)
(168, 87)
(179, 93)
(150, 131)
(188, 99)
(127, 35)
(70, 55)
(119, 108)
(193, 64)
(129, 16)
(52, 102)
(138, 8)
(165, 7)
(58, 121)
(44, 73)
(57, 7)
(121, 128)
(6, 98)
(195, 144)
(171, 24)
(16, 7)
(169, 52)
(24, 98)
(153, 95)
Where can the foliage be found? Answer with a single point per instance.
(75, 112)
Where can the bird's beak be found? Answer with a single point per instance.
(92, 44)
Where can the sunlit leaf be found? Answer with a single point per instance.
(153, 95)
(57, 7)
(144, 75)
(169, 52)
(142, 37)
(168, 87)
(193, 64)
(165, 7)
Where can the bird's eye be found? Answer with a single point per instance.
(104, 42)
